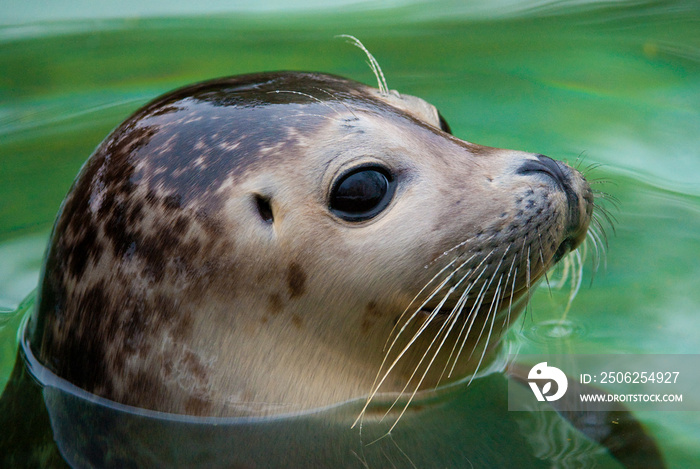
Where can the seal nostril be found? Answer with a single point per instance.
(548, 166)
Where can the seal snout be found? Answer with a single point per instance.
(578, 199)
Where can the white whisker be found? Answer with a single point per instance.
(493, 309)
(544, 265)
(527, 275)
(471, 317)
(377, 385)
(512, 292)
(307, 114)
(456, 313)
(492, 303)
(430, 297)
(339, 100)
(506, 320)
(456, 246)
(312, 97)
(440, 333)
(374, 65)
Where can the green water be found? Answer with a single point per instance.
(612, 84)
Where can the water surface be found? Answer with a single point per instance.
(615, 86)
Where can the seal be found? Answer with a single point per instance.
(268, 243)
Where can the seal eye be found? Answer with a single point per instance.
(362, 193)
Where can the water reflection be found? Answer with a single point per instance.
(459, 427)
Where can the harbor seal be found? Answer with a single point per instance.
(274, 242)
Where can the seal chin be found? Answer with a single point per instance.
(567, 246)
(571, 242)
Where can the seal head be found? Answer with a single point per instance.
(269, 243)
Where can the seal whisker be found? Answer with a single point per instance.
(576, 285)
(415, 313)
(377, 385)
(574, 262)
(599, 195)
(596, 181)
(378, 382)
(430, 297)
(456, 313)
(337, 98)
(590, 168)
(607, 216)
(423, 326)
(403, 453)
(476, 343)
(580, 158)
(506, 319)
(456, 246)
(307, 95)
(606, 196)
(374, 65)
(461, 303)
(493, 309)
(471, 317)
(427, 300)
(600, 246)
(314, 98)
(307, 114)
(602, 196)
(597, 223)
(544, 265)
(362, 461)
(566, 267)
(595, 258)
(441, 333)
(512, 292)
(473, 313)
(528, 283)
(452, 320)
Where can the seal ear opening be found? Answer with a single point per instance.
(444, 126)
(264, 208)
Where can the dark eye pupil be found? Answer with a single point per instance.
(361, 194)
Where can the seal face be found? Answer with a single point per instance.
(269, 243)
